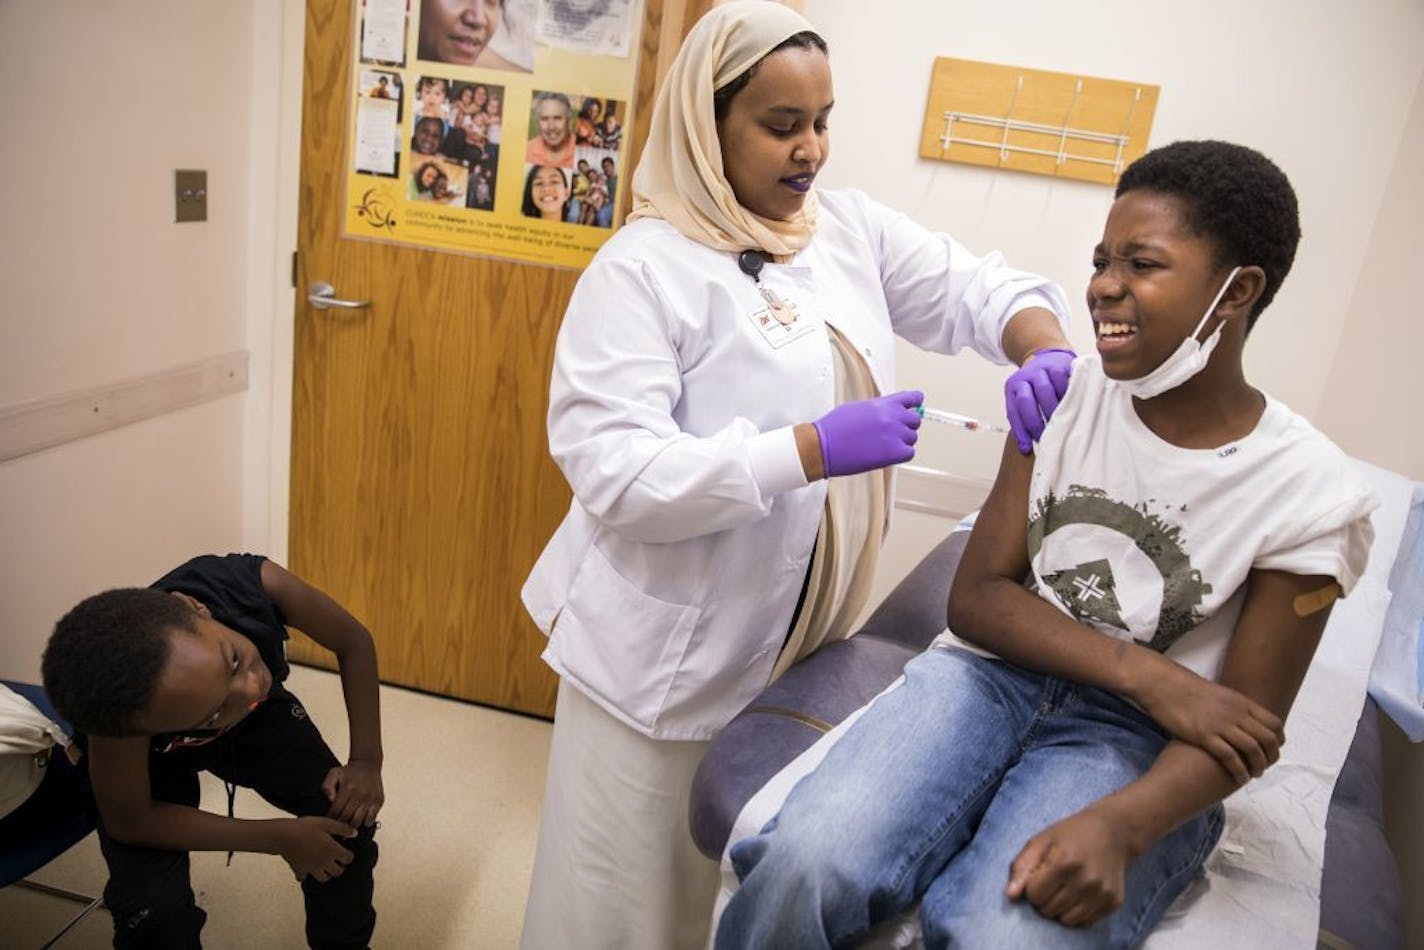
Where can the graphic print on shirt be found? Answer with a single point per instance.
(1090, 586)
(1089, 590)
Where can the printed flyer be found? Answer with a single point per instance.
(491, 127)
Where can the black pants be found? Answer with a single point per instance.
(277, 752)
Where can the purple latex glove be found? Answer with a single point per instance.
(1032, 393)
(869, 433)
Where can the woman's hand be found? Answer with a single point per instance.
(1241, 734)
(1033, 391)
(1074, 871)
(869, 433)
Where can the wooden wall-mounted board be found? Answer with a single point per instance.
(1032, 120)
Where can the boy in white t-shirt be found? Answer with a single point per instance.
(1050, 773)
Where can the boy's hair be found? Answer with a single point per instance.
(1233, 195)
(103, 659)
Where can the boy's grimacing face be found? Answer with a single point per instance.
(1152, 281)
(213, 678)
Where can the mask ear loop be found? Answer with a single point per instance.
(1214, 301)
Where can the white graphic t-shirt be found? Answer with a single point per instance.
(1142, 539)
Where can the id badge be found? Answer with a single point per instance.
(778, 322)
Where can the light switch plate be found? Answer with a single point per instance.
(190, 195)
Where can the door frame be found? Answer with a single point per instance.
(278, 43)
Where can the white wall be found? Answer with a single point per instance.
(98, 284)
(1366, 405)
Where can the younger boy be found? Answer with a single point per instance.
(1050, 773)
(186, 675)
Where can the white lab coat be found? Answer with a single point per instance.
(668, 588)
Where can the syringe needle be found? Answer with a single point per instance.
(959, 421)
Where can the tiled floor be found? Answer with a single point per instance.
(463, 785)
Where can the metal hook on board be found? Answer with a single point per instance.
(1061, 153)
(1008, 122)
(947, 139)
(1063, 135)
(1126, 124)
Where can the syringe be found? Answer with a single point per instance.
(955, 419)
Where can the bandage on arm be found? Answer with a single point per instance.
(1317, 600)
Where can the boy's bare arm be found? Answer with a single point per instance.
(989, 606)
(1270, 650)
(1073, 870)
(355, 790)
(118, 770)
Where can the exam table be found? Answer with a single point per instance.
(1360, 900)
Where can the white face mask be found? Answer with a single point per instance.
(1186, 361)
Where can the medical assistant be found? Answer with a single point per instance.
(669, 587)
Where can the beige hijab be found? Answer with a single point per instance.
(679, 177)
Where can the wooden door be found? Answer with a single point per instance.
(422, 489)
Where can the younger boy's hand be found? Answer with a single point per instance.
(1240, 733)
(1073, 872)
(309, 847)
(355, 792)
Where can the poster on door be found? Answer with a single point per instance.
(491, 127)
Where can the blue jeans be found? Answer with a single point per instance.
(931, 796)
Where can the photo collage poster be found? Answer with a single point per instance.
(492, 127)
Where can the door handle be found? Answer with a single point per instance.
(322, 296)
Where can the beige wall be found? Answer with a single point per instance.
(1368, 403)
(98, 284)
